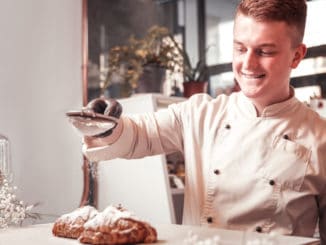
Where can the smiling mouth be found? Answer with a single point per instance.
(252, 76)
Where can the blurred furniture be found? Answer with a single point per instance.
(141, 185)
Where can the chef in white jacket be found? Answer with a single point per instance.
(254, 160)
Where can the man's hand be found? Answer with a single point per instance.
(107, 107)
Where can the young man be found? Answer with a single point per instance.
(255, 160)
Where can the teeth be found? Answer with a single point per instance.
(253, 76)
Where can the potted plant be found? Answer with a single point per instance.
(195, 78)
(150, 56)
(158, 49)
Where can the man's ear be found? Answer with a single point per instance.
(299, 54)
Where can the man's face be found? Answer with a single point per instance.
(263, 58)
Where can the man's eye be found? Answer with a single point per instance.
(240, 49)
(266, 52)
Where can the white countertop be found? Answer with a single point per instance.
(167, 234)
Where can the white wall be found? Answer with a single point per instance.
(40, 79)
(314, 33)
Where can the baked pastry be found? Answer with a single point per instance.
(71, 225)
(117, 226)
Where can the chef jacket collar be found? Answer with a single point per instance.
(273, 110)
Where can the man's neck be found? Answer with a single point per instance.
(260, 105)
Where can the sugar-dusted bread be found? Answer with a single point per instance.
(71, 225)
(117, 226)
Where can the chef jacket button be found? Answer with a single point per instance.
(227, 126)
(259, 229)
(285, 136)
(209, 220)
(272, 182)
(217, 172)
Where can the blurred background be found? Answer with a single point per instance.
(54, 56)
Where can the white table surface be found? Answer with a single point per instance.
(167, 234)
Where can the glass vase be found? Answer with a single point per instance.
(5, 165)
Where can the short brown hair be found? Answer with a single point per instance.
(292, 12)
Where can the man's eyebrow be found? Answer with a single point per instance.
(268, 45)
(237, 42)
(263, 45)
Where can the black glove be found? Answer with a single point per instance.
(107, 107)
(98, 119)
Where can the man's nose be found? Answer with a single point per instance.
(250, 60)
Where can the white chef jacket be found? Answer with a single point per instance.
(243, 172)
